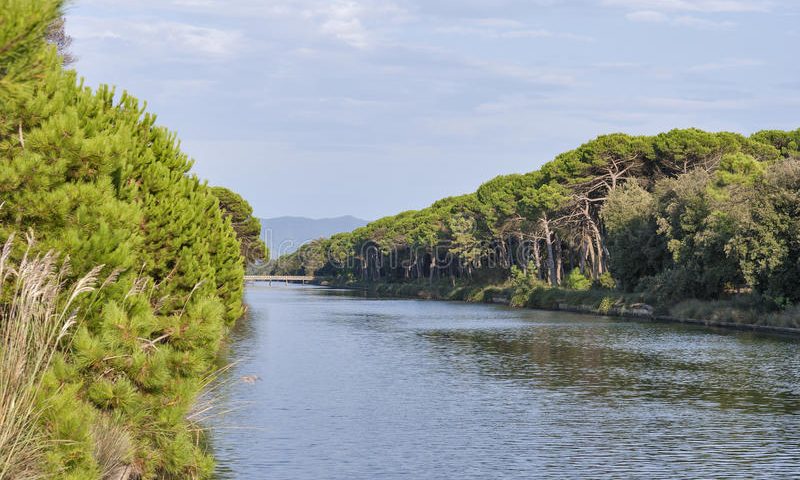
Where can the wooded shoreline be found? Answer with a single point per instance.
(699, 225)
(633, 312)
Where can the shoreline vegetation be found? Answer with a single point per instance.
(693, 224)
(110, 192)
(723, 315)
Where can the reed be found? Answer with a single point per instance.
(36, 313)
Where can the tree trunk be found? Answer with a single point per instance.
(592, 256)
(582, 257)
(433, 268)
(598, 240)
(551, 264)
(559, 265)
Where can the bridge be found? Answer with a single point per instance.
(279, 278)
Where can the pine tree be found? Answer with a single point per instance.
(95, 178)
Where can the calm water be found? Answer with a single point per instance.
(355, 388)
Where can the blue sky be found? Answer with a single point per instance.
(371, 107)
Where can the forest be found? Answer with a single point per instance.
(690, 222)
(120, 275)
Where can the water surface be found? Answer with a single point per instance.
(358, 388)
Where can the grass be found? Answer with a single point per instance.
(35, 317)
(742, 310)
(113, 448)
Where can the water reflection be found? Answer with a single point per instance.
(354, 387)
(670, 365)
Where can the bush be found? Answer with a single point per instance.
(606, 304)
(606, 281)
(577, 281)
(668, 287)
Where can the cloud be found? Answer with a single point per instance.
(343, 82)
(498, 23)
(705, 6)
(727, 65)
(355, 23)
(652, 16)
(647, 16)
(683, 13)
(702, 23)
(502, 28)
(696, 104)
(616, 65)
(192, 41)
(539, 76)
(341, 20)
(191, 38)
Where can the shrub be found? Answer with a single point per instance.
(577, 281)
(606, 304)
(607, 281)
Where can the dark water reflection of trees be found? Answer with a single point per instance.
(597, 363)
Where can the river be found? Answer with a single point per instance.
(356, 388)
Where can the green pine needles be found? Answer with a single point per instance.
(94, 176)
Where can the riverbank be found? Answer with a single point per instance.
(734, 314)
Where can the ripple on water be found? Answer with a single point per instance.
(361, 388)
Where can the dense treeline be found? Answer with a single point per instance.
(93, 177)
(684, 214)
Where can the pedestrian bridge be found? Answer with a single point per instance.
(279, 278)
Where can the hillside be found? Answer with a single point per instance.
(284, 235)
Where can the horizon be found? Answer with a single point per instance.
(312, 218)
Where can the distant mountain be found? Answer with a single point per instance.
(284, 235)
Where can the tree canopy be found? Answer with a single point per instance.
(686, 213)
(246, 226)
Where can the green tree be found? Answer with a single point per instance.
(636, 249)
(96, 179)
(697, 228)
(767, 238)
(246, 226)
(466, 246)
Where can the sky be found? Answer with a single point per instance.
(323, 108)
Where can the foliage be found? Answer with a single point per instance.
(246, 226)
(57, 35)
(680, 215)
(766, 242)
(94, 176)
(607, 281)
(606, 304)
(636, 249)
(577, 281)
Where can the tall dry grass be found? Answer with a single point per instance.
(36, 313)
(113, 449)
